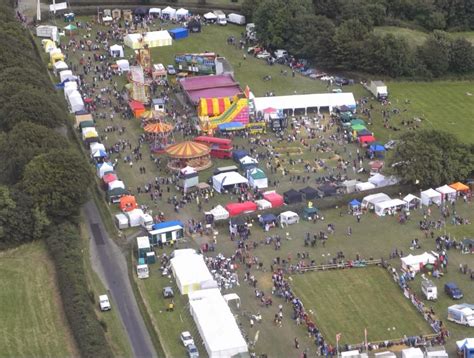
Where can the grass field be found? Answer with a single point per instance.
(32, 321)
(344, 301)
(416, 37)
(375, 236)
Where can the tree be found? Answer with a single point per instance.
(58, 182)
(24, 142)
(431, 158)
(7, 205)
(462, 56)
(435, 53)
(248, 9)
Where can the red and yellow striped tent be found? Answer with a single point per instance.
(158, 128)
(210, 107)
(186, 150)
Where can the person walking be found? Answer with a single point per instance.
(297, 344)
(349, 231)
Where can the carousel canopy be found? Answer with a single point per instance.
(187, 149)
(158, 128)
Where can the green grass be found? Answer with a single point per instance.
(347, 301)
(416, 37)
(438, 102)
(115, 332)
(32, 320)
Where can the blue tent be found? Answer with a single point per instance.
(231, 126)
(238, 154)
(354, 203)
(267, 218)
(377, 148)
(166, 224)
(179, 33)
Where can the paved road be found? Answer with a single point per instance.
(109, 263)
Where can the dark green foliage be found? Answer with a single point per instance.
(58, 182)
(64, 245)
(431, 158)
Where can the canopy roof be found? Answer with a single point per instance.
(263, 204)
(190, 271)
(354, 202)
(274, 198)
(357, 127)
(187, 149)
(257, 173)
(221, 180)
(159, 127)
(410, 197)
(310, 193)
(219, 213)
(459, 187)
(364, 186)
(375, 198)
(414, 261)
(445, 189)
(357, 121)
(367, 139)
(248, 160)
(216, 324)
(382, 206)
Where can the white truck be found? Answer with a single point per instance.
(379, 90)
(143, 271)
(236, 19)
(221, 19)
(250, 31)
(462, 314)
(429, 289)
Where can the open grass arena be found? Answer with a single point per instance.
(347, 301)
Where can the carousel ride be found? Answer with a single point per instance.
(189, 153)
(158, 133)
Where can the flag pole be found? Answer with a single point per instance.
(365, 340)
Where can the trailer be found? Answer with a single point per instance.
(236, 19)
(462, 314)
(429, 289)
(47, 31)
(379, 90)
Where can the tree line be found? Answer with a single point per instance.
(44, 179)
(339, 34)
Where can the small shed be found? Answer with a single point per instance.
(188, 177)
(158, 104)
(309, 193)
(292, 197)
(179, 33)
(166, 232)
(143, 246)
(257, 178)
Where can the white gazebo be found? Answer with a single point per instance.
(116, 51)
(412, 201)
(431, 196)
(182, 14)
(447, 193)
(169, 12)
(154, 11)
(123, 65)
(219, 213)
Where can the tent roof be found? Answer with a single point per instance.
(267, 218)
(157, 35)
(230, 126)
(230, 178)
(446, 189)
(305, 101)
(431, 193)
(390, 203)
(292, 192)
(166, 224)
(248, 160)
(116, 47)
(410, 197)
(187, 149)
(354, 202)
(189, 269)
(308, 190)
(209, 16)
(367, 139)
(459, 186)
(257, 173)
(376, 198)
(219, 212)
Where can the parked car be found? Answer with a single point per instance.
(281, 53)
(453, 291)
(192, 351)
(263, 54)
(104, 303)
(341, 81)
(168, 292)
(326, 78)
(390, 144)
(171, 70)
(186, 338)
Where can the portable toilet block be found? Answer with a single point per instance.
(141, 261)
(150, 258)
(143, 244)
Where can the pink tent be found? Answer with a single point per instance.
(241, 208)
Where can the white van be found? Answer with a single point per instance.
(429, 290)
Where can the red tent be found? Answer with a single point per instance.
(241, 208)
(274, 198)
(110, 177)
(367, 139)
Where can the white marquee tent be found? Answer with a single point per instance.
(134, 41)
(69, 87)
(158, 39)
(59, 66)
(412, 200)
(210, 16)
(220, 181)
(219, 213)
(75, 101)
(350, 185)
(104, 168)
(155, 11)
(257, 178)
(305, 101)
(169, 12)
(94, 147)
(447, 192)
(263, 204)
(190, 271)
(182, 14)
(123, 65)
(116, 184)
(216, 324)
(413, 262)
(66, 75)
(116, 51)
(364, 186)
(385, 207)
(380, 180)
(431, 196)
(371, 200)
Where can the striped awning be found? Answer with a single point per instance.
(159, 127)
(187, 149)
